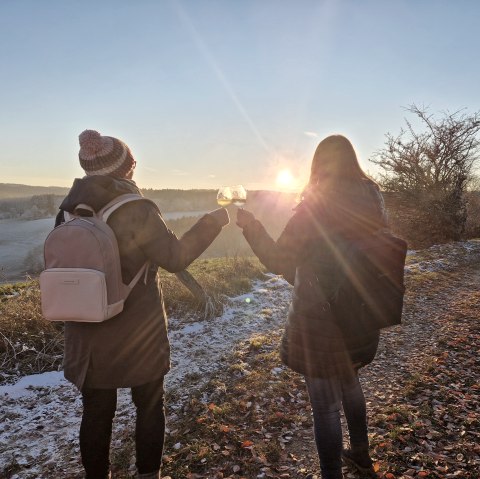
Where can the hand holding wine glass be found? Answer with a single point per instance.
(244, 218)
(236, 195)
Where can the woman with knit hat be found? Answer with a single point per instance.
(340, 204)
(130, 350)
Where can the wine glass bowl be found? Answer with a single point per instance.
(239, 195)
(224, 196)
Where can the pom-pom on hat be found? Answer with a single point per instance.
(104, 155)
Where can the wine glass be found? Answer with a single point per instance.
(224, 196)
(239, 195)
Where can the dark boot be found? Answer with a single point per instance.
(149, 475)
(359, 459)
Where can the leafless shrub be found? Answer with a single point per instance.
(431, 170)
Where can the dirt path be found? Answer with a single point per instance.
(422, 389)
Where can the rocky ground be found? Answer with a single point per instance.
(246, 416)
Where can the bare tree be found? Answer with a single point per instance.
(433, 168)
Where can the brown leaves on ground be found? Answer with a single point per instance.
(254, 420)
(433, 429)
(243, 430)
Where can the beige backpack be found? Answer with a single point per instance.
(82, 280)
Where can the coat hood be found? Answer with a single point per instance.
(96, 191)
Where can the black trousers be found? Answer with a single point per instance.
(99, 407)
(327, 397)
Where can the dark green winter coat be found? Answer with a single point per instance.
(313, 343)
(131, 348)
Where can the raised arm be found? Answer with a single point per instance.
(281, 256)
(161, 246)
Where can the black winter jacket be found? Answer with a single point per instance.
(313, 343)
(131, 348)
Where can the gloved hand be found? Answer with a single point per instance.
(244, 217)
(221, 216)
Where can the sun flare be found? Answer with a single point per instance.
(285, 178)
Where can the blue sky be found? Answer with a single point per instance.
(217, 92)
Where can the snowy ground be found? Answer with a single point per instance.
(42, 412)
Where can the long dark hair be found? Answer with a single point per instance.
(339, 196)
(335, 168)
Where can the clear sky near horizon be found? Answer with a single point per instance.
(219, 92)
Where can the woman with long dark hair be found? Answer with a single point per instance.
(340, 204)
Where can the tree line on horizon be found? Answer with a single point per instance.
(427, 176)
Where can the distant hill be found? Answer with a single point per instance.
(167, 199)
(12, 190)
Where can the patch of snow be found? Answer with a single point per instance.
(25, 386)
(195, 357)
(443, 257)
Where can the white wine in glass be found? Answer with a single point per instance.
(224, 196)
(239, 195)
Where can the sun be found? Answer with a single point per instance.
(285, 178)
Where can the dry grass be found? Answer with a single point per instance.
(219, 277)
(29, 344)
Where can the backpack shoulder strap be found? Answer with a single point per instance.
(113, 205)
(105, 212)
(81, 206)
